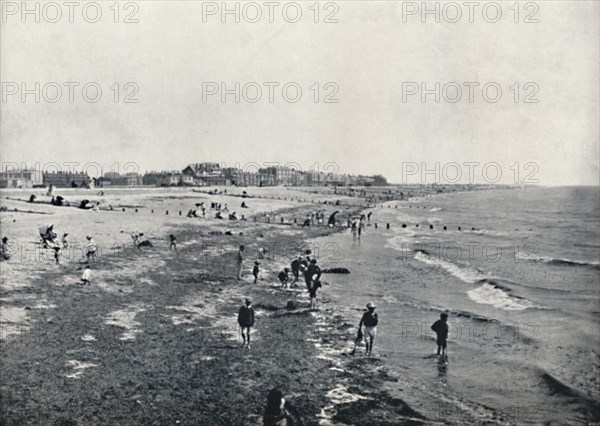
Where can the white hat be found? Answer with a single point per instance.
(371, 305)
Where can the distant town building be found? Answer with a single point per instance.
(168, 179)
(205, 174)
(127, 179)
(67, 179)
(202, 169)
(278, 175)
(21, 179)
(101, 182)
(152, 178)
(112, 176)
(211, 174)
(314, 178)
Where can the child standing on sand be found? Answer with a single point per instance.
(87, 276)
(255, 271)
(57, 254)
(246, 320)
(91, 249)
(441, 330)
(296, 267)
(283, 277)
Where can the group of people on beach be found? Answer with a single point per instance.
(59, 201)
(199, 210)
(49, 240)
(301, 266)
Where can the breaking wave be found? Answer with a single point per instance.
(464, 273)
(489, 291)
(559, 261)
(492, 293)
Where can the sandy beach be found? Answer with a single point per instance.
(437, 160)
(154, 338)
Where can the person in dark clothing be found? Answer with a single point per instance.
(278, 411)
(5, 254)
(246, 321)
(255, 271)
(283, 277)
(312, 270)
(370, 321)
(441, 330)
(316, 284)
(173, 242)
(296, 267)
(48, 235)
(57, 254)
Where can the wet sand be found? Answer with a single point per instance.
(154, 339)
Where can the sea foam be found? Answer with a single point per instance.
(490, 294)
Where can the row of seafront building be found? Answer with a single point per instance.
(36, 178)
(198, 174)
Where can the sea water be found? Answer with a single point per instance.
(521, 280)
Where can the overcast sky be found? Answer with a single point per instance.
(367, 55)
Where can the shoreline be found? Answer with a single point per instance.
(144, 299)
(439, 290)
(89, 324)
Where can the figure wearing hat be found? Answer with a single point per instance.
(370, 321)
(246, 320)
(255, 271)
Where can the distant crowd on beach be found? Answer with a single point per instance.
(199, 210)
